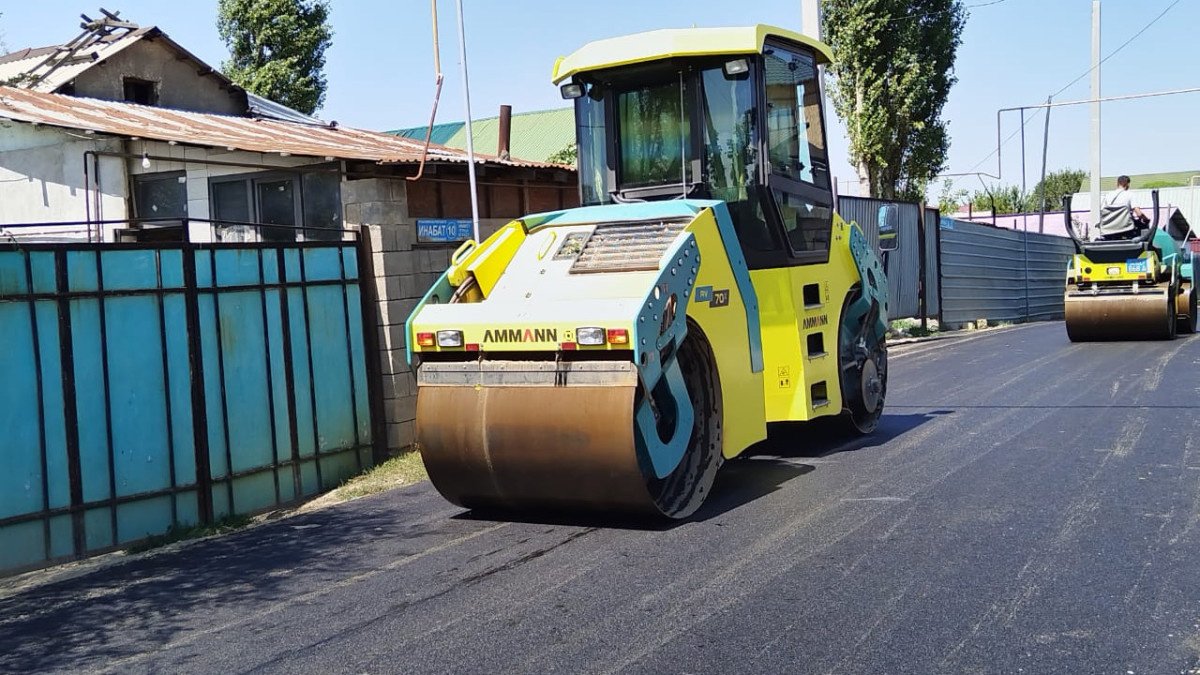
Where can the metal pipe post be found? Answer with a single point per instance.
(462, 51)
(1095, 177)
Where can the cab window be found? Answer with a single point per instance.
(795, 136)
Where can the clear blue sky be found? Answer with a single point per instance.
(1015, 52)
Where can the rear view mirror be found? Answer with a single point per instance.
(889, 227)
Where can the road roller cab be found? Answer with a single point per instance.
(611, 357)
(1137, 288)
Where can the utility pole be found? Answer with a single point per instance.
(462, 48)
(1095, 177)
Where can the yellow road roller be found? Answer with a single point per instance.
(1138, 287)
(609, 358)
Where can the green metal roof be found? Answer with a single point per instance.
(441, 132)
(535, 136)
(1182, 178)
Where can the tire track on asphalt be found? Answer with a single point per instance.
(735, 579)
(1041, 566)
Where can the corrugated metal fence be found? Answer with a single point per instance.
(148, 387)
(916, 251)
(1000, 274)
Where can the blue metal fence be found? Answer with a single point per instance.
(145, 387)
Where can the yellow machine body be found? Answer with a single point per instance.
(611, 357)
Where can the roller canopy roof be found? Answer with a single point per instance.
(676, 42)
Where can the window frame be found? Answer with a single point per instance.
(252, 179)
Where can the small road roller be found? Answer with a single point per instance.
(1136, 288)
(609, 358)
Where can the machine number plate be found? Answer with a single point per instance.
(1136, 265)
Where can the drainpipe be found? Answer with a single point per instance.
(505, 132)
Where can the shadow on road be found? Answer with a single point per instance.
(140, 605)
(766, 466)
(827, 436)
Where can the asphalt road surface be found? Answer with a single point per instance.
(1028, 505)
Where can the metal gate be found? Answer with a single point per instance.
(147, 387)
(912, 269)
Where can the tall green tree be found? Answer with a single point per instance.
(892, 72)
(277, 48)
(1057, 185)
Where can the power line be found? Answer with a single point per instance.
(1118, 49)
(1073, 82)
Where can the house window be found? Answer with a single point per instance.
(160, 195)
(300, 206)
(142, 92)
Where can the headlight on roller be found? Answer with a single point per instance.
(450, 338)
(589, 336)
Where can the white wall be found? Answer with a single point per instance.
(41, 175)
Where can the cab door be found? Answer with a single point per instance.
(801, 316)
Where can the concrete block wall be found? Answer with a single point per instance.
(404, 271)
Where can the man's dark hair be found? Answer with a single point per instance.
(1123, 181)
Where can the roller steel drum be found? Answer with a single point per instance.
(1185, 309)
(521, 440)
(1148, 315)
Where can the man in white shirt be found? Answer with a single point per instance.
(1119, 218)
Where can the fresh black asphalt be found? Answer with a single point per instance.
(1027, 506)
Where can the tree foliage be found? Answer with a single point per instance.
(277, 48)
(893, 69)
(568, 155)
(1009, 199)
(1058, 185)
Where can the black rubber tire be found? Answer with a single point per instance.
(681, 492)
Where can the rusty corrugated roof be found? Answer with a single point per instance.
(222, 131)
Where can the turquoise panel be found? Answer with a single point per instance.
(270, 267)
(291, 264)
(61, 542)
(179, 384)
(331, 368)
(237, 267)
(42, 264)
(350, 262)
(337, 468)
(308, 478)
(186, 509)
(322, 264)
(287, 485)
(12, 273)
(171, 261)
(220, 500)
(129, 270)
(24, 545)
(52, 404)
(81, 271)
(300, 379)
(246, 402)
(89, 399)
(137, 394)
(204, 269)
(97, 527)
(358, 361)
(255, 492)
(212, 387)
(21, 479)
(278, 374)
(143, 518)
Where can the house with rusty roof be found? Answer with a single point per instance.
(127, 135)
(121, 134)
